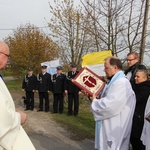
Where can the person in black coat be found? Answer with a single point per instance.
(134, 65)
(43, 87)
(72, 91)
(29, 85)
(58, 87)
(142, 92)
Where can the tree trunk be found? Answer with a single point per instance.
(143, 39)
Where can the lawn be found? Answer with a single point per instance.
(82, 126)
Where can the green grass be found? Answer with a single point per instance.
(6, 72)
(81, 127)
(14, 84)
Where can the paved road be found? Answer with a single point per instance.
(45, 133)
(8, 78)
(42, 142)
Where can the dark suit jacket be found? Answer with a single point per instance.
(29, 83)
(142, 92)
(44, 82)
(58, 83)
(70, 87)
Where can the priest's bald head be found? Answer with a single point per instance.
(4, 55)
(112, 65)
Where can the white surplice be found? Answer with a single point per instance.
(113, 114)
(10, 129)
(145, 136)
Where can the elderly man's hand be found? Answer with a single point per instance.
(23, 116)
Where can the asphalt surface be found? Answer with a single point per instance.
(42, 142)
(44, 132)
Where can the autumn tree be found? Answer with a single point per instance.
(68, 26)
(29, 46)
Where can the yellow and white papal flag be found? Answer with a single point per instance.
(95, 61)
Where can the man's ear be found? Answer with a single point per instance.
(115, 67)
(138, 59)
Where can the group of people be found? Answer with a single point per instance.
(59, 84)
(119, 111)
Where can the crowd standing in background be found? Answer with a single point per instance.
(59, 84)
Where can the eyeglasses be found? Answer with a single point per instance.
(130, 59)
(8, 55)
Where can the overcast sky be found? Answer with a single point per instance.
(17, 12)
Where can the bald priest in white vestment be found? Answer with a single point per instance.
(12, 135)
(113, 111)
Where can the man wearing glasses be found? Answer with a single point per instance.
(134, 65)
(12, 135)
(4, 56)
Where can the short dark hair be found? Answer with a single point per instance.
(135, 54)
(115, 61)
(145, 72)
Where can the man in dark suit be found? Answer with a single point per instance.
(72, 91)
(58, 81)
(133, 64)
(43, 87)
(29, 85)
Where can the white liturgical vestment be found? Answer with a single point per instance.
(113, 114)
(145, 136)
(12, 135)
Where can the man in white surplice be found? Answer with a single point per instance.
(145, 136)
(114, 110)
(10, 119)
